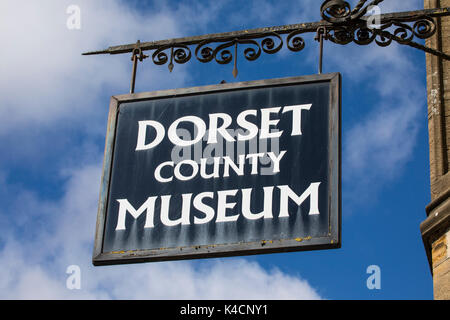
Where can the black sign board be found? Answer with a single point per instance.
(230, 169)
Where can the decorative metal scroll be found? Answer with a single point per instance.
(224, 51)
(351, 26)
(340, 12)
(382, 36)
(340, 24)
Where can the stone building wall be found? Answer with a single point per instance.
(435, 229)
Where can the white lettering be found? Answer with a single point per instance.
(312, 192)
(223, 205)
(172, 132)
(158, 169)
(251, 128)
(215, 173)
(125, 206)
(186, 209)
(276, 160)
(267, 129)
(207, 210)
(142, 132)
(254, 161)
(266, 123)
(181, 177)
(246, 202)
(213, 129)
(239, 170)
(297, 117)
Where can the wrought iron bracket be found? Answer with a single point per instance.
(322, 34)
(340, 24)
(352, 25)
(137, 55)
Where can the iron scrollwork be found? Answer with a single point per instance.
(205, 52)
(180, 54)
(224, 51)
(351, 25)
(340, 12)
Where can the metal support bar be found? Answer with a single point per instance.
(320, 36)
(320, 51)
(137, 55)
(134, 58)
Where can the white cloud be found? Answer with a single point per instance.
(384, 139)
(45, 79)
(380, 141)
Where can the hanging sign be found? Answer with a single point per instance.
(223, 170)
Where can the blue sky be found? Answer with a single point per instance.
(53, 114)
